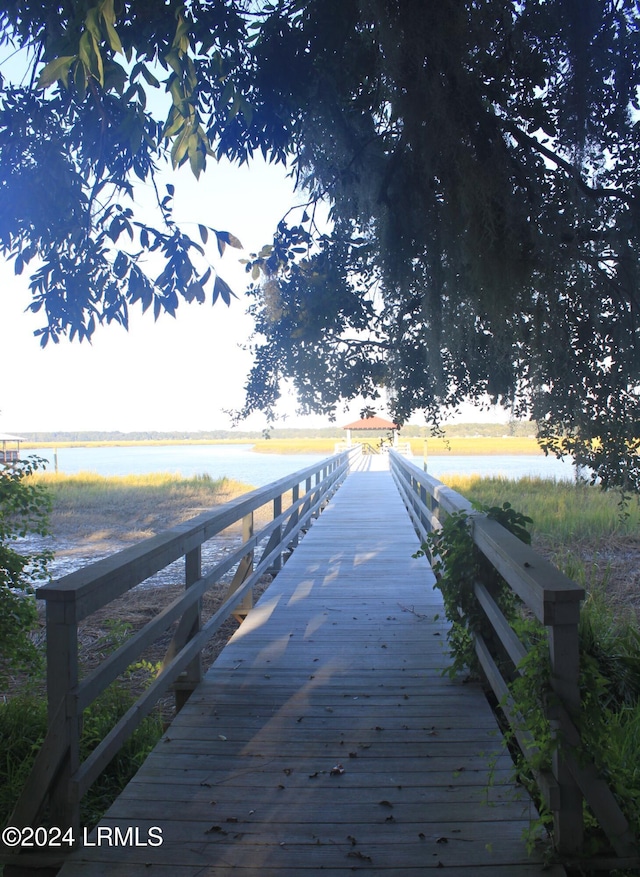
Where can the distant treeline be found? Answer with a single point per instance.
(513, 428)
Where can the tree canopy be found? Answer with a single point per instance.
(480, 158)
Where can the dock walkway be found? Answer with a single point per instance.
(324, 739)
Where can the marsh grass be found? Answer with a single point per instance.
(132, 506)
(594, 540)
(564, 513)
(95, 487)
(472, 446)
(480, 445)
(435, 446)
(322, 445)
(23, 726)
(132, 443)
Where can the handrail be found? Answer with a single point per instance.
(555, 601)
(57, 776)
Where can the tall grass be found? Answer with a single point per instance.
(130, 443)
(475, 446)
(23, 726)
(480, 446)
(564, 513)
(578, 523)
(91, 489)
(296, 446)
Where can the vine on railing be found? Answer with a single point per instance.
(458, 563)
(531, 699)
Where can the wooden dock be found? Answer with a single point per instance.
(324, 739)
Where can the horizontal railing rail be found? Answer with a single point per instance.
(58, 779)
(555, 601)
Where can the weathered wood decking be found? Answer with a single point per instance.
(324, 739)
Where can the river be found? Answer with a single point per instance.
(241, 463)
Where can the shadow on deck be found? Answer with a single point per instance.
(324, 739)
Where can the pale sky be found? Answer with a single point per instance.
(171, 374)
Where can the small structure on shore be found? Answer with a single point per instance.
(389, 437)
(10, 448)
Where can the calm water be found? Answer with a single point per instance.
(242, 464)
(511, 466)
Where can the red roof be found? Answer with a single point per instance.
(371, 423)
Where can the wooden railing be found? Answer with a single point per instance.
(555, 601)
(58, 778)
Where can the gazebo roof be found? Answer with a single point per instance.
(5, 437)
(371, 423)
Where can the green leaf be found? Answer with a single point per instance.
(181, 39)
(230, 239)
(247, 111)
(121, 265)
(109, 17)
(89, 53)
(180, 147)
(196, 156)
(91, 24)
(56, 70)
(174, 123)
(221, 288)
(195, 291)
(115, 77)
(235, 107)
(173, 60)
(80, 79)
(149, 77)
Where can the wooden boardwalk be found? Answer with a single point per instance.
(324, 739)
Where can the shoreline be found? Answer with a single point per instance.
(480, 446)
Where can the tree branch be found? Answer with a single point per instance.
(571, 170)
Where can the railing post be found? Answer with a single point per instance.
(62, 679)
(277, 533)
(245, 568)
(423, 504)
(564, 650)
(316, 481)
(295, 496)
(308, 497)
(190, 625)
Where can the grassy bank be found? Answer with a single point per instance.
(87, 505)
(94, 491)
(322, 445)
(476, 445)
(563, 512)
(132, 443)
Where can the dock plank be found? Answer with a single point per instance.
(325, 738)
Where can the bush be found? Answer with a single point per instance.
(24, 510)
(23, 725)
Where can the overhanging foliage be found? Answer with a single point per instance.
(481, 160)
